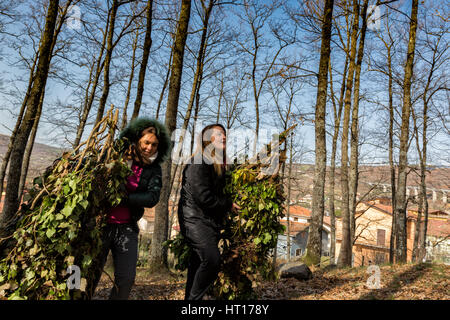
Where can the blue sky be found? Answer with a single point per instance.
(305, 100)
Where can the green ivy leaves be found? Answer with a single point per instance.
(63, 228)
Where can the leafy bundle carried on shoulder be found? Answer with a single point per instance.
(61, 222)
(250, 234)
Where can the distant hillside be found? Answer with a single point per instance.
(41, 157)
(302, 176)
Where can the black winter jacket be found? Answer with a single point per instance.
(150, 182)
(202, 204)
(146, 194)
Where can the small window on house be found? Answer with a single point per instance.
(295, 219)
(381, 237)
(298, 252)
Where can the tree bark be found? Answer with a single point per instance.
(163, 90)
(417, 243)
(29, 148)
(337, 124)
(401, 250)
(158, 258)
(391, 155)
(12, 138)
(423, 165)
(106, 68)
(144, 63)
(345, 254)
(45, 52)
(130, 81)
(288, 213)
(198, 74)
(354, 141)
(314, 244)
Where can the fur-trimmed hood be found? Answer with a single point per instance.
(133, 130)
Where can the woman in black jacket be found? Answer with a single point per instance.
(202, 207)
(148, 144)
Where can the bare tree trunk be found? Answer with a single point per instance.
(337, 123)
(314, 245)
(198, 73)
(30, 143)
(391, 157)
(423, 236)
(173, 212)
(163, 90)
(354, 142)
(130, 81)
(89, 98)
(288, 214)
(345, 254)
(416, 244)
(106, 68)
(29, 148)
(423, 166)
(158, 258)
(401, 250)
(219, 104)
(12, 138)
(144, 63)
(45, 53)
(194, 123)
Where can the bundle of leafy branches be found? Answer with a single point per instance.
(61, 223)
(249, 235)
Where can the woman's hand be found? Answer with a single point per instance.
(235, 207)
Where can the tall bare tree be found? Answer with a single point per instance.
(400, 209)
(256, 16)
(314, 244)
(144, 62)
(433, 56)
(345, 254)
(11, 198)
(108, 57)
(354, 141)
(337, 114)
(158, 258)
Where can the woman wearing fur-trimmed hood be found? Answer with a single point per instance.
(147, 145)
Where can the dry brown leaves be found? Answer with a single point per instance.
(147, 287)
(398, 282)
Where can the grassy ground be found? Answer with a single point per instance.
(398, 282)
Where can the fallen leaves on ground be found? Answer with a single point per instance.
(147, 287)
(398, 282)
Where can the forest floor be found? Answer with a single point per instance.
(398, 282)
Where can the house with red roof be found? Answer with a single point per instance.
(373, 228)
(298, 228)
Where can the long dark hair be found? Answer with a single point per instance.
(135, 152)
(204, 142)
(140, 126)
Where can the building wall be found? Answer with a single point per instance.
(371, 225)
(298, 244)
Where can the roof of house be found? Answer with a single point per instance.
(438, 228)
(299, 211)
(386, 208)
(295, 227)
